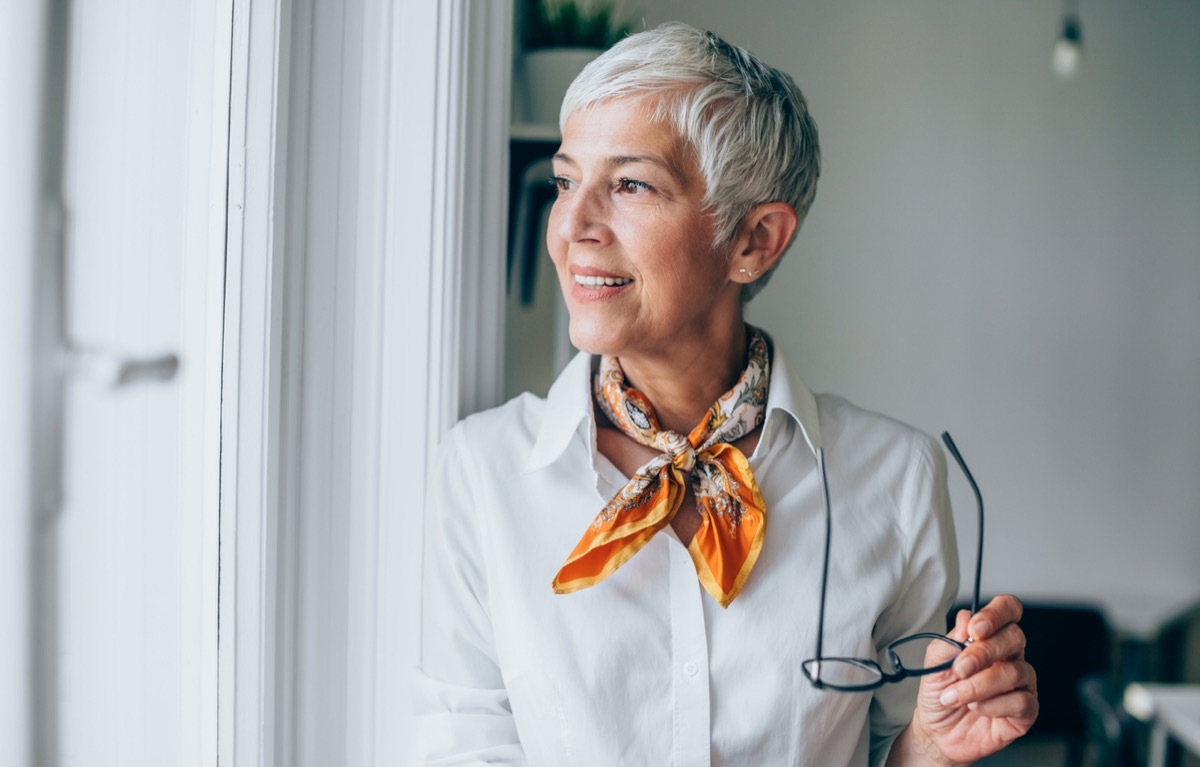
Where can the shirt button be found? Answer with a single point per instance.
(690, 668)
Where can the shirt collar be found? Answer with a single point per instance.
(569, 402)
(789, 394)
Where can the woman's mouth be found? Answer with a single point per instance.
(597, 282)
(598, 286)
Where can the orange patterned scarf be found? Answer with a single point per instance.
(731, 507)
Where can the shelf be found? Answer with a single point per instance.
(534, 132)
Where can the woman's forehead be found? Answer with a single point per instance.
(625, 128)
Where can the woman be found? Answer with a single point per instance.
(628, 572)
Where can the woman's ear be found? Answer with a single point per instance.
(763, 236)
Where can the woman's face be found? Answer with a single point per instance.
(630, 239)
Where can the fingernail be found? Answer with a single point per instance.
(983, 629)
(965, 666)
(949, 697)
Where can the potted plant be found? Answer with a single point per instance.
(559, 38)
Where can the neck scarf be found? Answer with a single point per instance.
(732, 512)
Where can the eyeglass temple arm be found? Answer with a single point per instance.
(979, 504)
(825, 564)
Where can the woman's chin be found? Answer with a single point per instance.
(594, 338)
(586, 343)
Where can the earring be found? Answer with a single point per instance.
(747, 272)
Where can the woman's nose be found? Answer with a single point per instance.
(580, 214)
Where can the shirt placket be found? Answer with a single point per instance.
(689, 661)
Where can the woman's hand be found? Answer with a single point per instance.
(986, 700)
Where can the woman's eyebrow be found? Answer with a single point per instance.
(619, 160)
(629, 159)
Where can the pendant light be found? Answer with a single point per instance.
(1068, 49)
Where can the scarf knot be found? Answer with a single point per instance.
(732, 512)
(676, 447)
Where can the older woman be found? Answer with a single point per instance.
(630, 571)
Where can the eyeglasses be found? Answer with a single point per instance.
(909, 656)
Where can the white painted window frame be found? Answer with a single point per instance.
(23, 37)
(34, 364)
(385, 262)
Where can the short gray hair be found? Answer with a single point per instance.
(747, 122)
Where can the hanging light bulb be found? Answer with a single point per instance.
(1068, 49)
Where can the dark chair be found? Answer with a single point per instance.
(1116, 738)
(1064, 643)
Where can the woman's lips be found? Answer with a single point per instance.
(595, 285)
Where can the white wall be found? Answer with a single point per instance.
(1011, 257)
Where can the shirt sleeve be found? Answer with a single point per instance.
(463, 715)
(928, 587)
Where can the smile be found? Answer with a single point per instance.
(601, 282)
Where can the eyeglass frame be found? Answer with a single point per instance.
(902, 672)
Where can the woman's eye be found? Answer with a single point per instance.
(560, 183)
(632, 186)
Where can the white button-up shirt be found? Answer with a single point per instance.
(645, 668)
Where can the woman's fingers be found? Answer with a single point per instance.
(993, 682)
(1021, 705)
(1001, 611)
(959, 632)
(1006, 644)
(992, 667)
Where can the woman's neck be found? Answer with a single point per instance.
(682, 383)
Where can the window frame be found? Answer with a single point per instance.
(363, 316)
